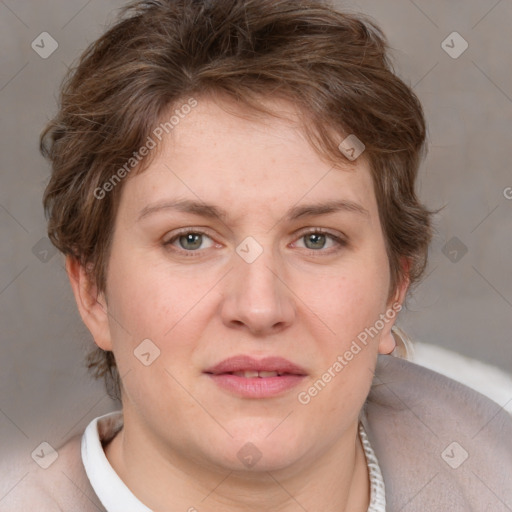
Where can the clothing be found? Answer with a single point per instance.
(377, 486)
(440, 446)
(116, 497)
(110, 489)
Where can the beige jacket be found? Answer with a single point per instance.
(441, 447)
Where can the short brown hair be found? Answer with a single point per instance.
(333, 66)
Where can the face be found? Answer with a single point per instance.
(239, 255)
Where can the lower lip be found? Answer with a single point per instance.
(256, 387)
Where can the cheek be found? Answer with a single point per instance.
(150, 302)
(152, 335)
(146, 296)
(350, 300)
(350, 306)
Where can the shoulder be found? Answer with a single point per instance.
(58, 483)
(438, 442)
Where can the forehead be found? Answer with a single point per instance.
(224, 154)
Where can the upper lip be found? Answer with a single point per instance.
(247, 363)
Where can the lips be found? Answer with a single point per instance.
(249, 367)
(247, 377)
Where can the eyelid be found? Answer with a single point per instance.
(339, 239)
(313, 229)
(185, 231)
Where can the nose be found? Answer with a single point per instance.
(257, 298)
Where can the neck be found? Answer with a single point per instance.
(336, 481)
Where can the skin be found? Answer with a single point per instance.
(304, 298)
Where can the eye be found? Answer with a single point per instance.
(318, 240)
(190, 241)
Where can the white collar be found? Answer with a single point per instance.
(110, 489)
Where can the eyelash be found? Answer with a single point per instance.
(339, 241)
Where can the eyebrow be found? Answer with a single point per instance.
(215, 212)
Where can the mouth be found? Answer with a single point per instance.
(249, 377)
(252, 374)
(251, 367)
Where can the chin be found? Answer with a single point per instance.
(249, 460)
(261, 448)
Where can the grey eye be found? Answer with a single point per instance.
(315, 240)
(191, 241)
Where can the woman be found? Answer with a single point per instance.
(233, 187)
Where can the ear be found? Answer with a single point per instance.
(387, 342)
(91, 305)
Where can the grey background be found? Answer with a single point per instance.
(464, 305)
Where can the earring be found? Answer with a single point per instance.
(404, 345)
